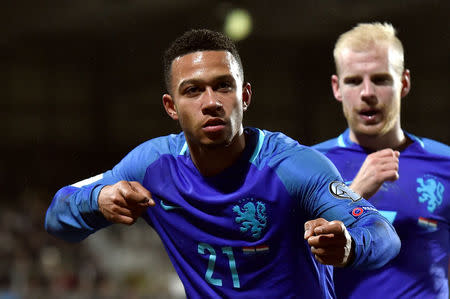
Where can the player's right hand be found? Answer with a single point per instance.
(378, 167)
(124, 202)
(330, 242)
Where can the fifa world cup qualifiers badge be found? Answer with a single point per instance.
(342, 191)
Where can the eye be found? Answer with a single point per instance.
(224, 86)
(352, 80)
(382, 80)
(191, 91)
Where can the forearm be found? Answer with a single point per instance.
(376, 243)
(73, 214)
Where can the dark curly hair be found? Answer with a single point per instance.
(198, 40)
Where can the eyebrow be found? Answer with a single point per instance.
(351, 77)
(189, 81)
(197, 81)
(376, 75)
(381, 75)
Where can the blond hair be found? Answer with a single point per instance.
(365, 36)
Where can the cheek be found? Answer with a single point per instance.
(347, 104)
(394, 106)
(390, 98)
(237, 112)
(347, 111)
(349, 95)
(184, 116)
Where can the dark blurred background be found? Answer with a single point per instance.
(82, 84)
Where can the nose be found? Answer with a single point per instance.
(368, 91)
(210, 102)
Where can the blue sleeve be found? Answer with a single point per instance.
(376, 242)
(74, 213)
(323, 194)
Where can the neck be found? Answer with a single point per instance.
(395, 140)
(212, 160)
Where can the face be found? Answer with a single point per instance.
(370, 90)
(208, 98)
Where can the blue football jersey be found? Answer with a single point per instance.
(238, 234)
(418, 205)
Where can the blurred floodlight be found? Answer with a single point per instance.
(238, 24)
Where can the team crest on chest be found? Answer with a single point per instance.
(251, 215)
(431, 191)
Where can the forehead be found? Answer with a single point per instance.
(204, 65)
(374, 59)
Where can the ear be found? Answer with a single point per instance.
(169, 105)
(406, 83)
(336, 88)
(246, 95)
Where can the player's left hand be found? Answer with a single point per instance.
(330, 242)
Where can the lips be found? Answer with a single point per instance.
(214, 125)
(214, 122)
(370, 115)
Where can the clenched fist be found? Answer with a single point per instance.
(377, 168)
(124, 202)
(330, 242)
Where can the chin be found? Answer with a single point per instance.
(215, 144)
(373, 131)
(215, 141)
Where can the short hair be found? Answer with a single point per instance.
(366, 35)
(198, 40)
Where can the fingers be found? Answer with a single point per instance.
(391, 175)
(384, 165)
(332, 227)
(388, 152)
(135, 193)
(311, 225)
(127, 212)
(328, 257)
(124, 201)
(328, 234)
(384, 157)
(377, 168)
(122, 219)
(330, 242)
(384, 153)
(321, 226)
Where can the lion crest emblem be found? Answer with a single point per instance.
(251, 218)
(430, 191)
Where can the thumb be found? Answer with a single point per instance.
(308, 230)
(311, 225)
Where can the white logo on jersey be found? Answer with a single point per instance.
(341, 191)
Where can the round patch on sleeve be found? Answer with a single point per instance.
(342, 191)
(357, 211)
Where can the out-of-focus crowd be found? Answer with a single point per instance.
(118, 262)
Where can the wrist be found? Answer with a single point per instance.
(351, 256)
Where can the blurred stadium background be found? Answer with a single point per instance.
(82, 84)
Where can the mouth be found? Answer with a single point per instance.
(369, 114)
(214, 125)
